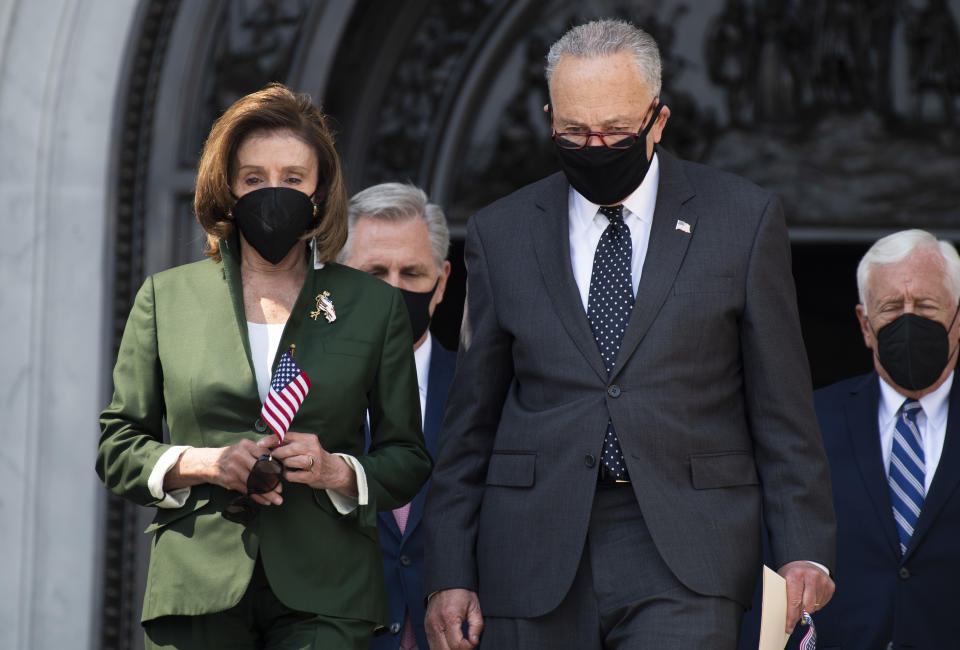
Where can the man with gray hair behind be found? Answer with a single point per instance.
(631, 392)
(396, 234)
(893, 441)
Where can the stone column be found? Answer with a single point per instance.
(60, 71)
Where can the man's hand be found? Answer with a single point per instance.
(446, 611)
(808, 587)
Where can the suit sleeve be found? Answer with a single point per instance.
(131, 427)
(398, 463)
(791, 462)
(483, 376)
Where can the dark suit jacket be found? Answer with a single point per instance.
(710, 398)
(403, 554)
(185, 358)
(883, 598)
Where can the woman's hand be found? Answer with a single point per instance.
(307, 462)
(227, 467)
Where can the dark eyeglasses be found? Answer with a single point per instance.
(579, 139)
(264, 477)
(614, 140)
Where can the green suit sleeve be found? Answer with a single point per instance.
(131, 428)
(398, 463)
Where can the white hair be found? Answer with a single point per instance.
(399, 202)
(898, 247)
(606, 37)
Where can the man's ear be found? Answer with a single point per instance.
(660, 124)
(868, 338)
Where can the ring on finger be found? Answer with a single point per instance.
(310, 466)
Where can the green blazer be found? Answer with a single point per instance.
(185, 356)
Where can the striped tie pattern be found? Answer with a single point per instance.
(608, 309)
(906, 475)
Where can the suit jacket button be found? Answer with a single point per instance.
(405, 560)
(904, 572)
(589, 460)
(613, 390)
(260, 426)
(394, 628)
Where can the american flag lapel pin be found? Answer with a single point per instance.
(683, 225)
(325, 307)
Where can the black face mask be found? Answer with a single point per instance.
(914, 350)
(418, 308)
(272, 219)
(607, 176)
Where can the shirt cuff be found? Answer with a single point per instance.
(173, 498)
(346, 504)
(819, 566)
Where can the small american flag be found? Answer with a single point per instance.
(683, 225)
(809, 640)
(288, 389)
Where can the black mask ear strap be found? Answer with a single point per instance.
(653, 120)
(954, 319)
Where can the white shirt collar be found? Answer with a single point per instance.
(935, 405)
(640, 204)
(422, 358)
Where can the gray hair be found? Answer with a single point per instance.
(898, 247)
(399, 202)
(606, 37)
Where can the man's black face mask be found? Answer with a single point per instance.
(607, 176)
(418, 308)
(914, 350)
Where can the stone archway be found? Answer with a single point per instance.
(449, 95)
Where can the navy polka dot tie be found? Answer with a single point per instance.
(608, 310)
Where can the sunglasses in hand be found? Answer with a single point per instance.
(264, 477)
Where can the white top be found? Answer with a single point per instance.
(587, 225)
(931, 421)
(264, 341)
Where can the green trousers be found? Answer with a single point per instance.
(258, 622)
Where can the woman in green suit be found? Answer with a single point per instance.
(294, 563)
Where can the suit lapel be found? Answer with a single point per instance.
(665, 253)
(864, 438)
(230, 262)
(550, 232)
(945, 482)
(439, 377)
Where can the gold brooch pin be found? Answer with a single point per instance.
(325, 307)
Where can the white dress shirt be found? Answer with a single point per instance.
(931, 421)
(587, 225)
(421, 356)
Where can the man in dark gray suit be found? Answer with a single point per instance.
(631, 392)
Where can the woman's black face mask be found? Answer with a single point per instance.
(273, 219)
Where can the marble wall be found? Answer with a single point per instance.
(60, 71)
